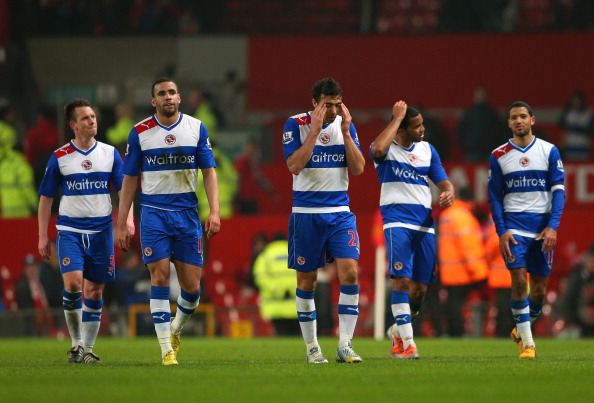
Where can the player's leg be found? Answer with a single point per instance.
(99, 269)
(343, 248)
(91, 319)
(538, 289)
(188, 259)
(400, 269)
(539, 266)
(71, 261)
(305, 256)
(155, 241)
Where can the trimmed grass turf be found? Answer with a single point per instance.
(274, 370)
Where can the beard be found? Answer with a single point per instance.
(522, 133)
(168, 112)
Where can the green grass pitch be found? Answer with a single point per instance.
(274, 370)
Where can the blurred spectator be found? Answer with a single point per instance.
(133, 282)
(117, 135)
(8, 134)
(41, 140)
(498, 280)
(462, 263)
(39, 289)
(480, 129)
(252, 181)
(277, 286)
(578, 122)
(227, 179)
(231, 94)
(199, 104)
(577, 303)
(18, 198)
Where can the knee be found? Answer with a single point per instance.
(519, 288)
(94, 294)
(350, 277)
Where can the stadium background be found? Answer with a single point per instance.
(429, 52)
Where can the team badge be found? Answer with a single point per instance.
(170, 139)
(66, 261)
(324, 138)
(412, 158)
(148, 251)
(524, 161)
(300, 260)
(398, 266)
(86, 165)
(560, 165)
(208, 144)
(287, 137)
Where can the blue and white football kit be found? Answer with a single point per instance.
(85, 240)
(321, 225)
(167, 159)
(527, 194)
(405, 205)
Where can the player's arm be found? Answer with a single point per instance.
(44, 212)
(354, 158)
(557, 178)
(495, 189)
(300, 157)
(127, 193)
(117, 177)
(379, 147)
(213, 222)
(446, 193)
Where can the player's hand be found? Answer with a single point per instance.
(399, 110)
(43, 246)
(346, 119)
(446, 199)
(504, 248)
(317, 118)
(549, 237)
(123, 236)
(212, 226)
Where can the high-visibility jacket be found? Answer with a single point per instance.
(18, 198)
(460, 246)
(227, 182)
(276, 283)
(499, 276)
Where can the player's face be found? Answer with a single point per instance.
(520, 122)
(333, 107)
(85, 122)
(415, 131)
(166, 99)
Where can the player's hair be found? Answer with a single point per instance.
(159, 81)
(326, 86)
(410, 113)
(519, 104)
(71, 107)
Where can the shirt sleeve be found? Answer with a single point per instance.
(204, 154)
(117, 173)
(51, 179)
(557, 180)
(133, 159)
(495, 188)
(437, 172)
(291, 138)
(353, 131)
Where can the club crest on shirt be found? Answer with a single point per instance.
(148, 251)
(66, 261)
(524, 161)
(170, 139)
(300, 260)
(324, 138)
(287, 137)
(412, 158)
(86, 165)
(398, 266)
